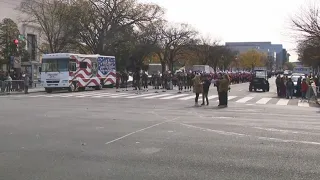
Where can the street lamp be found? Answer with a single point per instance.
(171, 58)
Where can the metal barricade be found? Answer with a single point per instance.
(9, 86)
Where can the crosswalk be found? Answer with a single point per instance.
(171, 96)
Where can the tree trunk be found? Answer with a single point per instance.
(163, 66)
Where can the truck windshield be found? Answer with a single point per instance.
(55, 65)
(262, 74)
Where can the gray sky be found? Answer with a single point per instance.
(238, 20)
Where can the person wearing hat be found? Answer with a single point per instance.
(223, 91)
(197, 87)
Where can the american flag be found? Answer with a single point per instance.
(106, 64)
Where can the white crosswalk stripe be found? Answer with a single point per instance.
(168, 96)
(190, 97)
(212, 97)
(303, 104)
(120, 95)
(244, 100)
(175, 96)
(156, 96)
(283, 102)
(263, 101)
(103, 95)
(141, 95)
(229, 98)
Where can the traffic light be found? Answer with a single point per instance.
(16, 42)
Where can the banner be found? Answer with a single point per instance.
(302, 70)
(106, 65)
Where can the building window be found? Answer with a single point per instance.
(31, 46)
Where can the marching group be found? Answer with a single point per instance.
(198, 81)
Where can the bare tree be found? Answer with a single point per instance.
(105, 23)
(146, 42)
(54, 18)
(175, 41)
(307, 24)
(204, 48)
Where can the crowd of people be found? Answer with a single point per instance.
(14, 82)
(167, 80)
(286, 87)
(199, 82)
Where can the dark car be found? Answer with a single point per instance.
(259, 83)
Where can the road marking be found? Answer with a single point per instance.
(103, 95)
(120, 95)
(244, 100)
(283, 102)
(142, 95)
(286, 131)
(303, 104)
(231, 97)
(263, 101)
(156, 96)
(246, 135)
(70, 95)
(87, 94)
(190, 97)
(55, 95)
(212, 97)
(142, 130)
(175, 96)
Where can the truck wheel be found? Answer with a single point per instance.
(98, 87)
(71, 88)
(81, 88)
(48, 90)
(264, 90)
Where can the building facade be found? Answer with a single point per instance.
(274, 52)
(9, 9)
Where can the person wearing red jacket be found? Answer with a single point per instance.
(304, 89)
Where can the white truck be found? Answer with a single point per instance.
(75, 72)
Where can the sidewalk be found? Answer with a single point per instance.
(32, 90)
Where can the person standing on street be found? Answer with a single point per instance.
(304, 89)
(223, 91)
(216, 83)
(26, 83)
(206, 84)
(138, 78)
(197, 88)
(289, 88)
(278, 84)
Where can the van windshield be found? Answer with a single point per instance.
(55, 65)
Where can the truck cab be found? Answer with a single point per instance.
(259, 80)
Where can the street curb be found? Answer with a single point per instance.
(12, 94)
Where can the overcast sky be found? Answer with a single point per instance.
(238, 20)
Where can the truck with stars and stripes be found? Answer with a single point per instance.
(75, 72)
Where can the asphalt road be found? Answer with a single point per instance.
(135, 139)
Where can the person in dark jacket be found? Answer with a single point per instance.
(289, 88)
(298, 88)
(206, 84)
